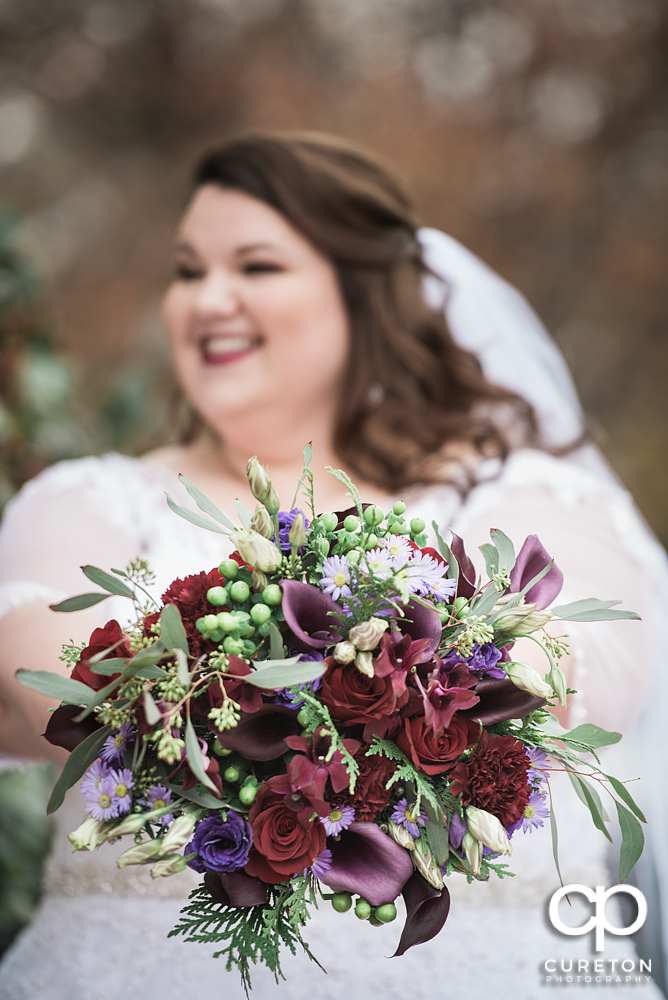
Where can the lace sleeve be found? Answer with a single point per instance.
(580, 520)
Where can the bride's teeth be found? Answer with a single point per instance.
(227, 345)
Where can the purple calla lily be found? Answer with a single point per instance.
(262, 735)
(236, 888)
(63, 731)
(500, 700)
(426, 911)
(531, 559)
(310, 614)
(422, 623)
(466, 581)
(366, 861)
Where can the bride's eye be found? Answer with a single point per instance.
(260, 267)
(186, 272)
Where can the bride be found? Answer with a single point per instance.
(307, 306)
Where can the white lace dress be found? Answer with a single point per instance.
(101, 934)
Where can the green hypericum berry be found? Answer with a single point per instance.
(233, 646)
(273, 595)
(399, 508)
(374, 921)
(210, 622)
(354, 556)
(302, 716)
(342, 902)
(226, 621)
(247, 793)
(417, 525)
(460, 603)
(374, 515)
(231, 774)
(249, 647)
(220, 751)
(260, 613)
(323, 546)
(386, 913)
(217, 596)
(240, 591)
(329, 521)
(229, 569)
(371, 542)
(351, 523)
(363, 909)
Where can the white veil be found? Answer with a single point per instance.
(492, 319)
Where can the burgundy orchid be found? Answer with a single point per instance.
(311, 615)
(319, 763)
(366, 861)
(447, 692)
(531, 559)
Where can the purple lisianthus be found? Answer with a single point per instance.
(101, 801)
(285, 519)
(121, 782)
(220, 845)
(457, 830)
(113, 749)
(283, 696)
(406, 816)
(337, 820)
(321, 864)
(157, 798)
(535, 811)
(482, 661)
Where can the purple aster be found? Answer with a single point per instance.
(399, 549)
(157, 798)
(535, 811)
(321, 864)
(338, 819)
(114, 746)
(93, 776)
(404, 815)
(100, 799)
(424, 576)
(285, 519)
(336, 577)
(121, 782)
(220, 845)
(283, 697)
(540, 762)
(379, 564)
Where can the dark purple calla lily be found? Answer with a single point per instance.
(500, 700)
(466, 581)
(531, 559)
(63, 731)
(426, 911)
(366, 861)
(236, 888)
(422, 623)
(262, 735)
(311, 615)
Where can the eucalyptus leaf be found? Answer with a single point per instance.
(182, 672)
(199, 798)
(592, 610)
(633, 841)
(76, 766)
(190, 515)
(590, 735)
(245, 515)
(286, 675)
(195, 758)
(624, 793)
(506, 550)
(276, 651)
(55, 686)
(208, 506)
(107, 581)
(485, 601)
(146, 657)
(446, 552)
(108, 667)
(99, 698)
(151, 710)
(79, 602)
(172, 633)
(592, 800)
(151, 673)
(308, 454)
(555, 839)
(491, 554)
(437, 837)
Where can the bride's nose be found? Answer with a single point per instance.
(217, 295)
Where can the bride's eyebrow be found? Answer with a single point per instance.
(185, 249)
(253, 247)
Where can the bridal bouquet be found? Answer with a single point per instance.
(334, 712)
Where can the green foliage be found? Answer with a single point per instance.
(405, 771)
(318, 715)
(71, 653)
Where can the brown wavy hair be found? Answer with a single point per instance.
(411, 393)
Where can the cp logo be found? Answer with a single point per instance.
(599, 897)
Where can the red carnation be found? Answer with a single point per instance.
(189, 596)
(370, 796)
(101, 639)
(434, 754)
(283, 841)
(495, 778)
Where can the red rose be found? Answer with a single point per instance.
(370, 796)
(435, 754)
(355, 698)
(189, 596)
(283, 841)
(101, 639)
(495, 778)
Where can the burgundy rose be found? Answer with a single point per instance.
(495, 778)
(435, 754)
(101, 639)
(283, 842)
(354, 697)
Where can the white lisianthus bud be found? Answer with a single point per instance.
(132, 823)
(258, 480)
(261, 522)
(427, 867)
(179, 833)
(527, 678)
(170, 865)
(401, 835)
(258, 551)
(521, 620)
(260, 581)
(558, 682)
(364, 663)
(297, 533)
(367, 635)
(141, 854)
(473, 852)
(272, 503)
(90, 834)
(344, 652)
(487, 828)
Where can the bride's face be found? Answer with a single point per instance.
(254, 314)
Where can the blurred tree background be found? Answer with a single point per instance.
(535, 131)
